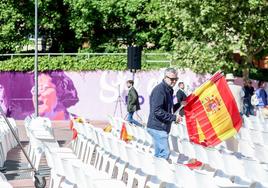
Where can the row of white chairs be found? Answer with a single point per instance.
(121, 160)
(256, 122)
(66, 169)
(40, 133)
(225, 162)
(7, 140)
(248, 142)
(141, 159)
(141, 138)
(216, 159)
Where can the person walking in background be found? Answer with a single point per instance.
(161, 116)
(261, 95)
(133, 104)
(249, 91)
(181, 97)
(237, 92)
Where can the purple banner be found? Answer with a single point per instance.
(93, 95)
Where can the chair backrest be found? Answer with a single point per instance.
(164, 170)
(68, 169)
(200, 153)
(244, 134)
(174, 130)
(80, 175)
(255, 171)
(106, 142)
(204, 180)
(173, 143)
(256, 136)
(215, 158)
(187, 149)
(261, 153)
(145, 160)
(122, 149)
(132, 156)
(184, 176)
(233, 166)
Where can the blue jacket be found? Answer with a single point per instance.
(262, 97)
(161, 104)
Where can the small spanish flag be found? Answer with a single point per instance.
(211, 112)
(71, 125)
(124, 135)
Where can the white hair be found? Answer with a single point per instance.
(170, 70)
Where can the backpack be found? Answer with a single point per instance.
(254, 100)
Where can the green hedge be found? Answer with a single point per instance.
(72, 63)
(83, 63)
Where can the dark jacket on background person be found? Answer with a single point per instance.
(181, 96)
(161, 104)
(133, 100)
(249, 91)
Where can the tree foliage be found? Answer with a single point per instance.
(207, 33)
(201, 35)
(15, 24)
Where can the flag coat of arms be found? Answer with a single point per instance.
(211, 112)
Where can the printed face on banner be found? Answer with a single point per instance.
(47, 96)
(56, 93)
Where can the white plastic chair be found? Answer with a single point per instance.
(255, 172)
(146, 168)
(256, 136)
(110, 146)
(261, 153)
(246, 148)
(203, 180)
(215, 158)
(234, 168)
(184, 176)
(122, 162)
(164, 174)
(244, 134)
(187, 149)
(133, 167)
(200, 153)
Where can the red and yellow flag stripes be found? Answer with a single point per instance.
(211, 112)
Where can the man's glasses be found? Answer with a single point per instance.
(172, 79)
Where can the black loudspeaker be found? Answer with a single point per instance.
(134, 57)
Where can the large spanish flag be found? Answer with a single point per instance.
(211, 112)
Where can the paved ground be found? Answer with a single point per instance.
(16, 159)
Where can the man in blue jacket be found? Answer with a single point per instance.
(161, 117)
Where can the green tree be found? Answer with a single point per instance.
(54, 26)
(206, 34)
(111, 22)
(15, 24)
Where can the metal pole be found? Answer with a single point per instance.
(36, 58)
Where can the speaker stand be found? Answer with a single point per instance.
(119, 100)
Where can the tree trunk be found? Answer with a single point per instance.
(245, 73)
(246, 67)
